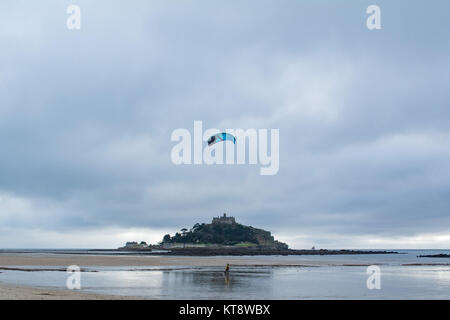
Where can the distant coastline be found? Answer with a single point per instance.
(441, 255)
(219, 251)
(258, 252)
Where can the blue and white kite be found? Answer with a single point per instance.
(221, 137)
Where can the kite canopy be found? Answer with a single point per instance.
(221, 137)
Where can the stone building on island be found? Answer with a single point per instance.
(223, 219)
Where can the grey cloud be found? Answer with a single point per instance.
(86, 117)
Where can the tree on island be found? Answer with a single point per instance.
(183, 233)
(166, 238)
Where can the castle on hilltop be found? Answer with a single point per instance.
(223, 219)
(222, 233)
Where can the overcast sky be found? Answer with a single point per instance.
(86, 118)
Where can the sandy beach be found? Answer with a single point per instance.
(26, 262)
(13, 292)
(109, 260)
(131, 279)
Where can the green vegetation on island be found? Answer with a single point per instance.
(224, 231)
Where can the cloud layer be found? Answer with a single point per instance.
(86, 118)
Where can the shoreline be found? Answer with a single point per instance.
(58, 262)
(20, 292)
(38, 262)
(232, 251)
(203, 252)
(97, 260)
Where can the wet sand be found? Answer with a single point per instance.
(58, 262)
(30, 262)
(112, 261)
(13, 292)
(62, 261)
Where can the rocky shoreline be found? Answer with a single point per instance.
(441, 255)
(224, 251)
(254, 252)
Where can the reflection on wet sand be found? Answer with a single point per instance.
(245, 278)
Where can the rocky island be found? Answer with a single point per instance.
(224, 236)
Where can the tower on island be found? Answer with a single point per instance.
(223, 219)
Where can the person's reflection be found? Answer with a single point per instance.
(227, 275)
(227, 279)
